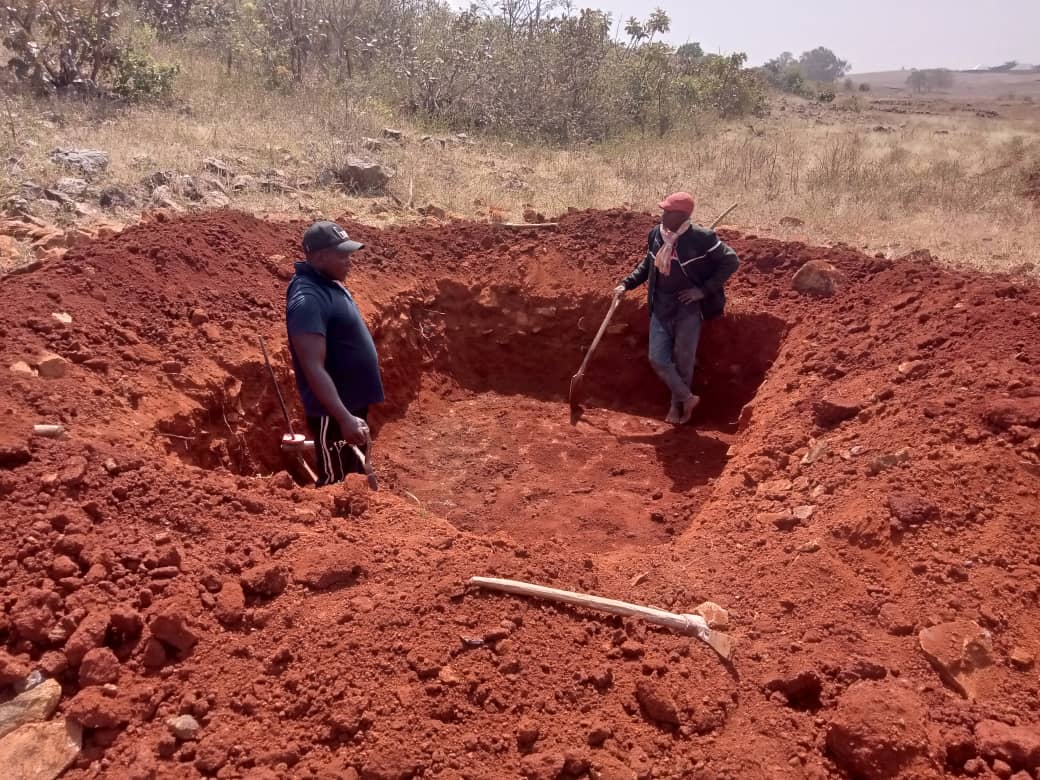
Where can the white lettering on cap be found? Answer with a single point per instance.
(340, 232)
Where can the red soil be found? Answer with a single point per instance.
(319, 633)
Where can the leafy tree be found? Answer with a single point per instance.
(169, 17)
(784, 62)
(658, 23)
(723, 84)
(639, 31)
(689, 52)
(61, 44)
(635, 30)
(928, 80)
(822, 64)
(786, 74)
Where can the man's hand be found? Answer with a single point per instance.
(354, 430)
(620, 290)
(691, 295)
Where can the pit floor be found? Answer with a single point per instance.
(515, 465)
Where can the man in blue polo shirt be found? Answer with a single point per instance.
(333, 355)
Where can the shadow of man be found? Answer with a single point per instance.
(689, 458)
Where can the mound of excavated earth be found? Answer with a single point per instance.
(858, 493)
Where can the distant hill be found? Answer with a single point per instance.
(966, 84)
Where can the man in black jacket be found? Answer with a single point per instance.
(686, 267)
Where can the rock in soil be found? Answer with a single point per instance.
(40, 751)
(51, 366)
(895, 620)
(1022, 659)
(99, 667)
(599, 734)
(35, 704)
(172, 628)
(879, 731)
(230, 603)
(184, 727)
(817, 277)
(657, 703)
(832, 411)
(958, 650)
(90, 633)
(543, 766)
(714, 615)
(93, 708)
(90, 162)
(330, 567)
(268, 579)
(1019, 746)
(12, 669)
(910, 509)
(125, 623)
(527, 734)
(364, 176)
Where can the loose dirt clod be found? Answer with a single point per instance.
(315, 634)
(878, 731)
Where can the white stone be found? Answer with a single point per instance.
(35, 704)
(40, 751)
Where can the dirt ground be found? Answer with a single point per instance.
(859, 491)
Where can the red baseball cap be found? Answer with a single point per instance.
(679, 201)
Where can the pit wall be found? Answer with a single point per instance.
(514, 341)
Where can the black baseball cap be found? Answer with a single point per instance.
(326, 235)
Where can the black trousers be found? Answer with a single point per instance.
(335, 456)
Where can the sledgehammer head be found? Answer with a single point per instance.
(370, 475)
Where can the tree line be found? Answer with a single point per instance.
(527, 68)
(797, 75)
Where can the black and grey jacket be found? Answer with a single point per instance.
(705, 260)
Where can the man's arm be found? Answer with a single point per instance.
(725, 261)
(310, 350)
(641, 272)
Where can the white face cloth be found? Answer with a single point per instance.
(663, 258)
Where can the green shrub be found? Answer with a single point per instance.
(136, 77)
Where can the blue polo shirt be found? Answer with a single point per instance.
(316, 304)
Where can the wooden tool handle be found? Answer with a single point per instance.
(690, 625)
(723, 215)
(599, 334)
(685, 624)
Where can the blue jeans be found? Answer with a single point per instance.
(675, 330)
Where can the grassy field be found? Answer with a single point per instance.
(885, 176)
(966, 85)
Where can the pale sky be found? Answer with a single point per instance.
(873, 35)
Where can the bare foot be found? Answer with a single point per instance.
(674, 413)
(687, 408)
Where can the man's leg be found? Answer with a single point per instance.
(662, 349)
(687, 337)
(335, 458)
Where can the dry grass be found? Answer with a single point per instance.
(950, 184)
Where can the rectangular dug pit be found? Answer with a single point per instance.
(478, 429)
(485, 436)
